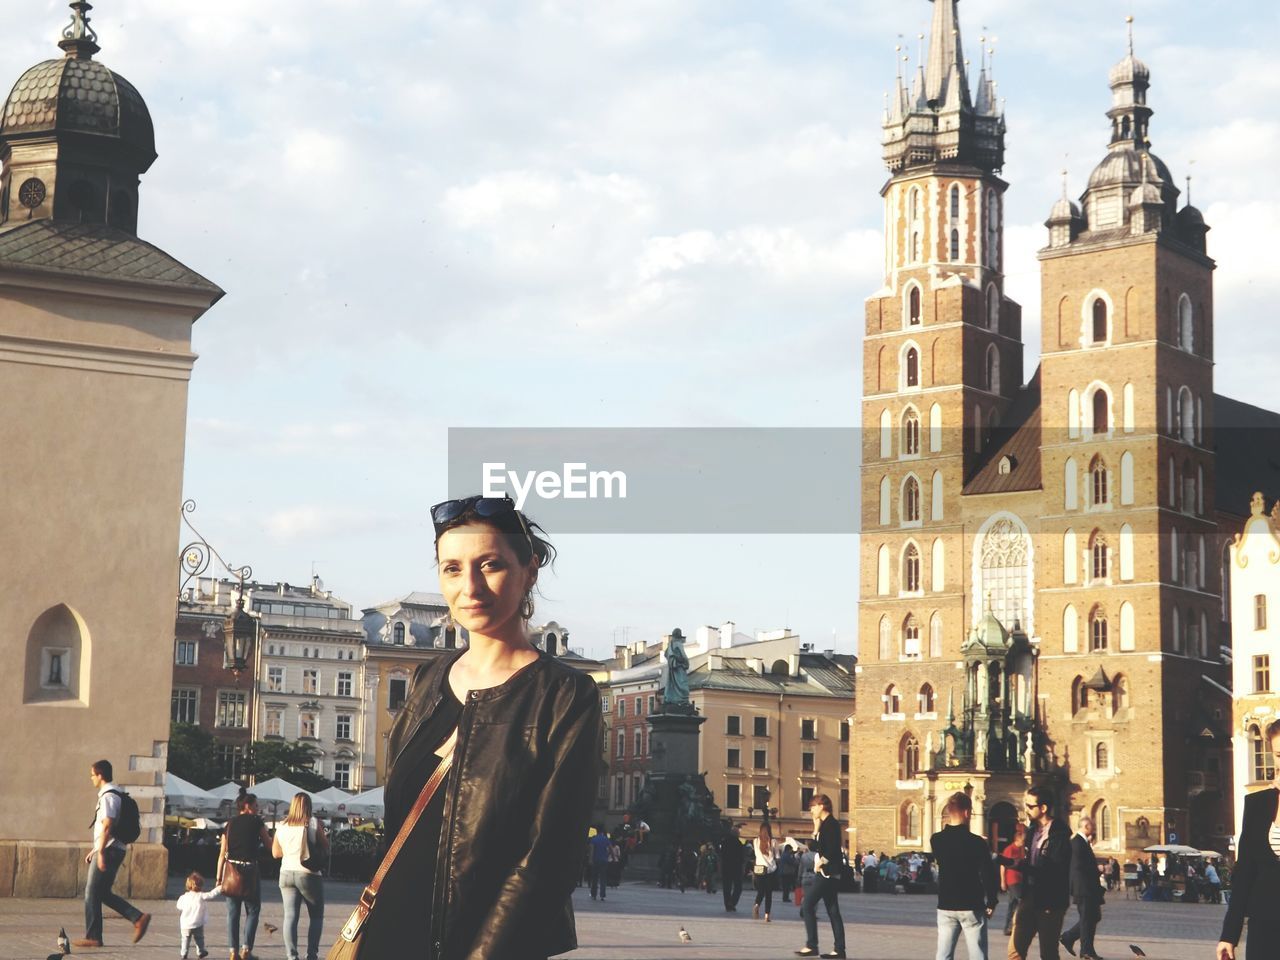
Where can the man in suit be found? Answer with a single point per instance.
(1086, 891)
(1045, 880)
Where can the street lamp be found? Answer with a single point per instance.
(767, 811)
(239, 633)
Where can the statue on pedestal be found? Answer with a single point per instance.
(675, 691)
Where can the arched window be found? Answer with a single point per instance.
(909, 822)
(1099, 320)
(1004, 563)
(955, 245)
(882, 570)
(911, 636)
(1177, 631)
(1070, 559)
(1263, 762)
(884, 501)
(1098, 475)
(1126, 552)
(913, 207)
(977, 429)
(908, 759)
(910, 433)
(1119, 693)
(1175, 557)
(915, 246)
(913, 306)
(397, 634)
(935, 428)
(1101, 757)
(1126, 478)
(993, 230)
(927, 700)
(1073, 413)
(886, 650)
(1079, 695)
(955, 201)
(1069, 500)
(892, 700)
(935, 496)
(993, 369)
(993, 307)
(1070, 630)
(911, 501)
(1098, 630)
(935, 635)
(911, 367)
(938, 573)
(1186, 416)
(1128, 408)
(1185, 324)
(911, 569)
(1102, 822)
(1099, 557)
(1101, 411)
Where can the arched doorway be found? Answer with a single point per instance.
(1001, 819)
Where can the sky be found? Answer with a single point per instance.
(660, 213)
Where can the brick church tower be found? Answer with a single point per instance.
(1040, 590)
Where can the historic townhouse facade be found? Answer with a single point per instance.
(1041, 586)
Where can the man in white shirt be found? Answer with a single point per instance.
(104, 863)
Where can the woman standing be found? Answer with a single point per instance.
(484, 872)
(243, 841)
(301, 881)
(1255, 884)
(765, 871)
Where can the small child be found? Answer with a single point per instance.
(194, 913)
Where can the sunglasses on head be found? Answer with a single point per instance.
(485, 507)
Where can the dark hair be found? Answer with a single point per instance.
(518, 530)
(765, 832)
(103, 769)
(1043, 795)
(244, 799)
(822, 798)
(958, 803)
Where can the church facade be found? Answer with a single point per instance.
(1042, 557)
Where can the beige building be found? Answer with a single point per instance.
(1254, 562)
(95, 356)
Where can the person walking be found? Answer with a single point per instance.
(243, 842)
(787, 869)
(193, 914)
(826, 884)
(1086, 891)
(1010, 877)
(731, 869)
(300, 876)
(870, 872)
(599, 846)
(104, 861)
(967, 893)
(1255, 882)
(1045, 879)
(512, 736)
(708, 867)
(765, 871)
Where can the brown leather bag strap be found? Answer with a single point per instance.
(428, 791)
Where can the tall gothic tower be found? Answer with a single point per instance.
(942, 365)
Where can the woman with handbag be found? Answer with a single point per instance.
(765, 870)
(493, 764)
(302, 848)
(242, 842)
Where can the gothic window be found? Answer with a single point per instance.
(1098, 476)
(1185, 322)
(913, 306)
(938, 563)
(910, 433)
(1101, 414)
(913, 367)
(885, 649)
(1079, 695)
(913, 210)
(908, 759)
(911, 501)
(1101, 757)
(915, 246)
(911, 636)
(1070, 630)
(1099, 320)
(1098, 556)
(1119, 694)
(1005, 570)
(993, 307)
(1177, 631)
(935, 428)
(911, 569)
(928, 703)
(935, 635)
(1186, 416)
(993, 230)
(993, 369)
(1098, 630)
(884, 501)
(886, 434)
(1102, 821)
(892, 701)
(955, 245)
(955, 201)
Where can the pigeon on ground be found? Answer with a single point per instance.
(684, 936)
(269, 927)
(63, 943)
(1137, 951)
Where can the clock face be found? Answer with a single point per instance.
(32, 193)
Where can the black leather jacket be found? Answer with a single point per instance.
(517, 806)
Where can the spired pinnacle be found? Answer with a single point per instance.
(79, 40)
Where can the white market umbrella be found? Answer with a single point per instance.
(367, 804)
(331, 801)
(180, 793)
(275, 792)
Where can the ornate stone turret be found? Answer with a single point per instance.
(74, 138)
(938, 120)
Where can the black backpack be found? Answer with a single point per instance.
(128, 825)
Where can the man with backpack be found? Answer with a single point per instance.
(116, 824)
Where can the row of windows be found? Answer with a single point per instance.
(760, 796)
(909, 500)
(915, 226)
(1099, 322)
(184, 707)
(760, 760)
(343, 684)
(638, 705)
(908, 639)
(641, 743)
(317, 611)
(909, 368)
(1101, 635)
(308, 724)
(909, 432)
(891, 703)
(910, 577)
(281, 650)
(760, 727)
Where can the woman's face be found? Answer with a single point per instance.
(481, 578)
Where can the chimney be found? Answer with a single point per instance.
(793, 665)
(726, 634)
(626, 658)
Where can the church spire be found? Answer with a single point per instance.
(946, 57)
(78, 38)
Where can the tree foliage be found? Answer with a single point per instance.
(288, 760)
(193, 755)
